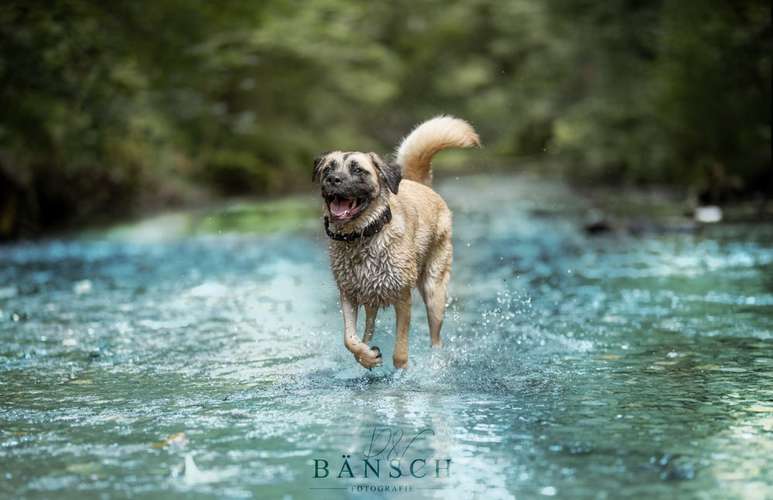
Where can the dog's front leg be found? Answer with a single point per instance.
(403, 314)
(370, 323)
(364, 355)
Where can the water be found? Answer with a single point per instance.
(160, 361)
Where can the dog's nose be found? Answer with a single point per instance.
(334, 179)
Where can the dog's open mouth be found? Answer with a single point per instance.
(343, 209)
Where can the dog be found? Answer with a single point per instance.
(390, 233)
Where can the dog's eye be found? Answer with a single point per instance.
(356, 169)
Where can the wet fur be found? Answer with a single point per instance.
(413, 251)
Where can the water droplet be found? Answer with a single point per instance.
(82, 287)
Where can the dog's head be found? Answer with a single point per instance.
(352, 181)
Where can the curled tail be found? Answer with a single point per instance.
(416, 151)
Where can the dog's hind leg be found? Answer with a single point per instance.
(403, 314)
(370, 323)
(434, 286)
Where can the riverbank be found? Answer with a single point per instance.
(607, 209)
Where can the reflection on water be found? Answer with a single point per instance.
(592, 367)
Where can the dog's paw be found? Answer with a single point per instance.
(369, 357)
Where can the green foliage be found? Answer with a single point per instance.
(110, 106)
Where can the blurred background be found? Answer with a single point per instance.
(111, 109)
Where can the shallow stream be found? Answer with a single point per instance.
(160, 360)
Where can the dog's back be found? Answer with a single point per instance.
(432, 218)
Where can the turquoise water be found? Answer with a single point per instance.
(157, 361)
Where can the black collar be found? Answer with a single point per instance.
(371, 229)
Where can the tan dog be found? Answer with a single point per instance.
(390, 232)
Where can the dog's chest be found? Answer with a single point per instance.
(370, 274)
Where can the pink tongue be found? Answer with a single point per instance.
(340, 207)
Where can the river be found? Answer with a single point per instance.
(204, 355)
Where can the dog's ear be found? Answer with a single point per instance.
(390, 172)
(318, 162)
